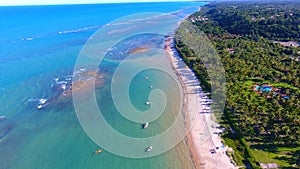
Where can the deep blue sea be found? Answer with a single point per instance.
(39, 47)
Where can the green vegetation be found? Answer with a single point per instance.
(262, 126)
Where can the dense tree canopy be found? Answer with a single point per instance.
(244, 35)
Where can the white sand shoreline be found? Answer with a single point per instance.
(201, 139)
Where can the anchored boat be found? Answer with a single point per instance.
(98, 151)
(148, 149)
(146, 125)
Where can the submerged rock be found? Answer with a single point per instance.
(138, 50)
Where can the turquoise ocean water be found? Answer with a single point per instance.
(39, 47)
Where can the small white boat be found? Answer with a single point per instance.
(56, 79)
(39, 107)
(148, 149)
(63, 86)
(98, 151)
(148, 103)
(146, 125)
(150, 87)
(147, 77)
(42, 101)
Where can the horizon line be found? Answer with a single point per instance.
(93, 3)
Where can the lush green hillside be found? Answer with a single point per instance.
(263, 77)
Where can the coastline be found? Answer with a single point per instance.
(200, 138)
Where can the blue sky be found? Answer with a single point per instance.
(46, 2)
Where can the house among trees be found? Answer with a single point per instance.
(269, 165)
(230, 50)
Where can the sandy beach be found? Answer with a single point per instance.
(206, 147)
